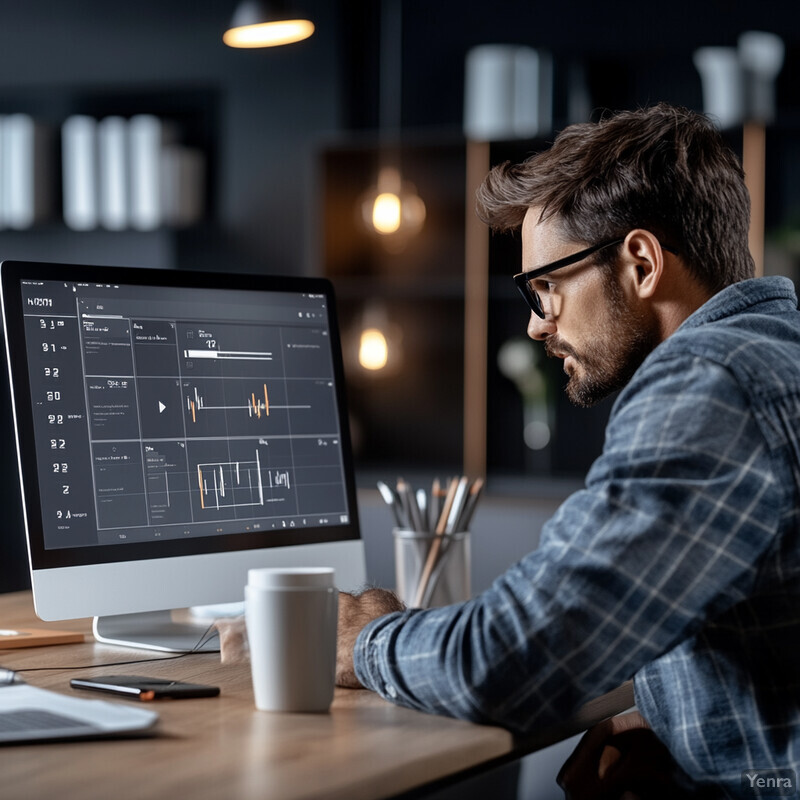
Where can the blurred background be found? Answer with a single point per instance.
(292, 159)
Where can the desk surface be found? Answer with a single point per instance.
(223, 747)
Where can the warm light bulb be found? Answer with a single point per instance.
(373, 351)
(392, 209)
(269, 34)
(387, 213)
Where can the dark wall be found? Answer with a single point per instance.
(266, 108)
(634, 53)
(270, 110)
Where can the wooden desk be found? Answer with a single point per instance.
(223, 747)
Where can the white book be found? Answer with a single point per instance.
(147, 136)
(533, 93)
(508, 92)
(114, 181)
(3, 220)
(79, 165)
(26, 179)
(489, 92)
(182, 185)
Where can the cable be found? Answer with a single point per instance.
(204, 637)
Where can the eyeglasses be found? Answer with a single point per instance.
(523, 279)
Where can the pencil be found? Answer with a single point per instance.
(409, 501)
(437, 494)
(391, 501)
(470, 505)
(457, 505)
(433, 553)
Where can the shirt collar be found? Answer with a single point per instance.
(740, 296)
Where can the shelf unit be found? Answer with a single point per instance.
(192, 111)
(408, 415)
(447, 407)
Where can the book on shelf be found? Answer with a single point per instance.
(114, 173)
(80, 172)
(148, 137)
(182, 186)
(25, 172)
(129, 174)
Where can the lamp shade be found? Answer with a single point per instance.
(259, 24)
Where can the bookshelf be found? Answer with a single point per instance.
(188, 118)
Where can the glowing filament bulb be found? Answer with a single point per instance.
(387, 213)
(373, 351)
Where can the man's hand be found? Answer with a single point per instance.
(355, 611)
(620, 758)
(233, 644)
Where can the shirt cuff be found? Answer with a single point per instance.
(370, 653)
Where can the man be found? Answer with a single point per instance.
(679, 563)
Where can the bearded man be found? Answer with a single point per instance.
(678, 565)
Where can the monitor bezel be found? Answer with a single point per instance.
(12, 275)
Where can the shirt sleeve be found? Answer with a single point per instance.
(666, 535)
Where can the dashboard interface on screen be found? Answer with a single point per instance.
(163, 413)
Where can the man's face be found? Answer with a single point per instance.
(602, 335)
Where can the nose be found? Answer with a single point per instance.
(539, 329)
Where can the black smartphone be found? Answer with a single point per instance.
(139, 687)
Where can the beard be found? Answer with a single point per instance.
(606, 364)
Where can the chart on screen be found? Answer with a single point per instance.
(195, 422)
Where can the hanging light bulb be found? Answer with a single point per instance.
(392, 206)
(374, 343)
(258, 24)
(387, 213)
(373, 350)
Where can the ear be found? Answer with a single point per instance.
(643, 262)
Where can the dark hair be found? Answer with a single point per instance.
(662, 168)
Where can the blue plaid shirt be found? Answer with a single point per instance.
(678, 565)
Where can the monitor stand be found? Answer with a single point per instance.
(156, 630)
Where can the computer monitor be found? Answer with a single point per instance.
(174, 429)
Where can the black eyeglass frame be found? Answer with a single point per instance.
(523, 279)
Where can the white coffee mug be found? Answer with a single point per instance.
(291, 617)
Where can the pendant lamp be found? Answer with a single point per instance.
(262, 24)
(391, 207)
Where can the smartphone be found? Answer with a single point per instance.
(139, 687)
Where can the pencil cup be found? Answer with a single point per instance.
(291, 617)
(432, 570)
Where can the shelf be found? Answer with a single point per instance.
(179, 145)
(399, 287)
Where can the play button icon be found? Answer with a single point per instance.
(161, 407)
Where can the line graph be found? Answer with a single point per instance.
(256, 403)
(239, 484)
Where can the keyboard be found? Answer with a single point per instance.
(37, 723)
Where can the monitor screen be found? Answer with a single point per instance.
(166, 415)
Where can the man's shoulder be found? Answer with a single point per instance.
(756, 341)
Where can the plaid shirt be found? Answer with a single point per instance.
(678, 565)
